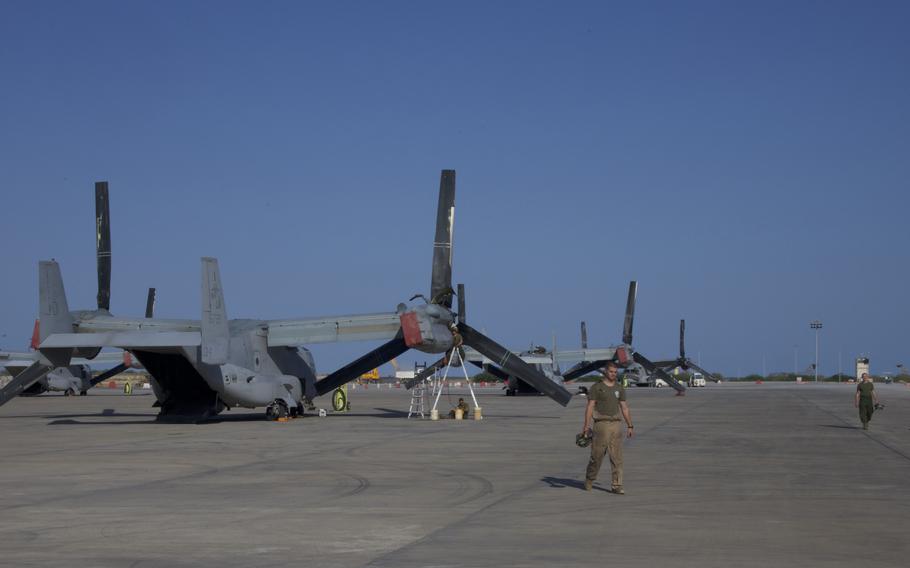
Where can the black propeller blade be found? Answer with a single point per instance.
(441, 282)
(112, 372)
(582, 369)
(150, 304)
(584, 336)
(495, 371)
(707, 375)
(682, 340)
(461, 304)
(512, 364)
(382, 354)
(630, 313)
(422, 375)
(655, 370)
(103, 244)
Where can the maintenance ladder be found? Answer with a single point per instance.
(418, 399)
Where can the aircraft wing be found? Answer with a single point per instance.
(123, 339)
(15, 363)
(472, 356)
(585, 355)
(332, 329)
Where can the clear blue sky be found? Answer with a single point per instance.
(747, 163)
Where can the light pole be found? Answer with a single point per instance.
(816, 325)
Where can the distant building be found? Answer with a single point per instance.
(862, 366)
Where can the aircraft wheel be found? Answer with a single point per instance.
(83, 393)
(276, 410)
(69, 392)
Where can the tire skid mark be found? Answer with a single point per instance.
(209, 471)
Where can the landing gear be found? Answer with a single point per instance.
(510, 392)
(83, 393)
(69, 392)
(277, 410)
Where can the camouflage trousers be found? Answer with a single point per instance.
(866, 408)
(607, 440)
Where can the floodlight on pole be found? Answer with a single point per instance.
(816, 325)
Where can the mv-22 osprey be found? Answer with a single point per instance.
(588, 359)
(78, 377)
(200, 367)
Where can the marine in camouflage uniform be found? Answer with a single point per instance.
(865, 400)
(605, 409)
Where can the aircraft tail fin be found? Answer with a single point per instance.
(215, 332)
(54, 314)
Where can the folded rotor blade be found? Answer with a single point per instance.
(379, 356)
(103, 244)
(32, 374)
(150, 304)
(424, 374)
(112, 372)
(630, 313)
(441, 282)
(583, 369)
(461, 304)
(660, 373)
(584, 336)
(512, 364)
(707, 375)
(495, 371)
(682, 339)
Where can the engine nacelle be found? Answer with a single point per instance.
(427, 328)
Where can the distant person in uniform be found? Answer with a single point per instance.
(464, 409)
(606, 407)
(865, 400)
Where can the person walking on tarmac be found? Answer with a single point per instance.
(606, 407)
(866, 400)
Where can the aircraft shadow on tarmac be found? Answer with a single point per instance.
(841, 426)
(561, 482)
(151, 419)
(380, 413)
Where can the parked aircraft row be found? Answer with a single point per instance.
(200, 367)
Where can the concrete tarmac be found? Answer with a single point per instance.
(729, 475)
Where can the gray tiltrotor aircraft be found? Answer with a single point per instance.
(593, 359)
(434, 328)
(77, 377)
(547, 362)
(682, 361)
(200, 367)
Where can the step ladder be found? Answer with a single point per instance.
(418, 400)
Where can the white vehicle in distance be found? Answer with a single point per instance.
(697, 380)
